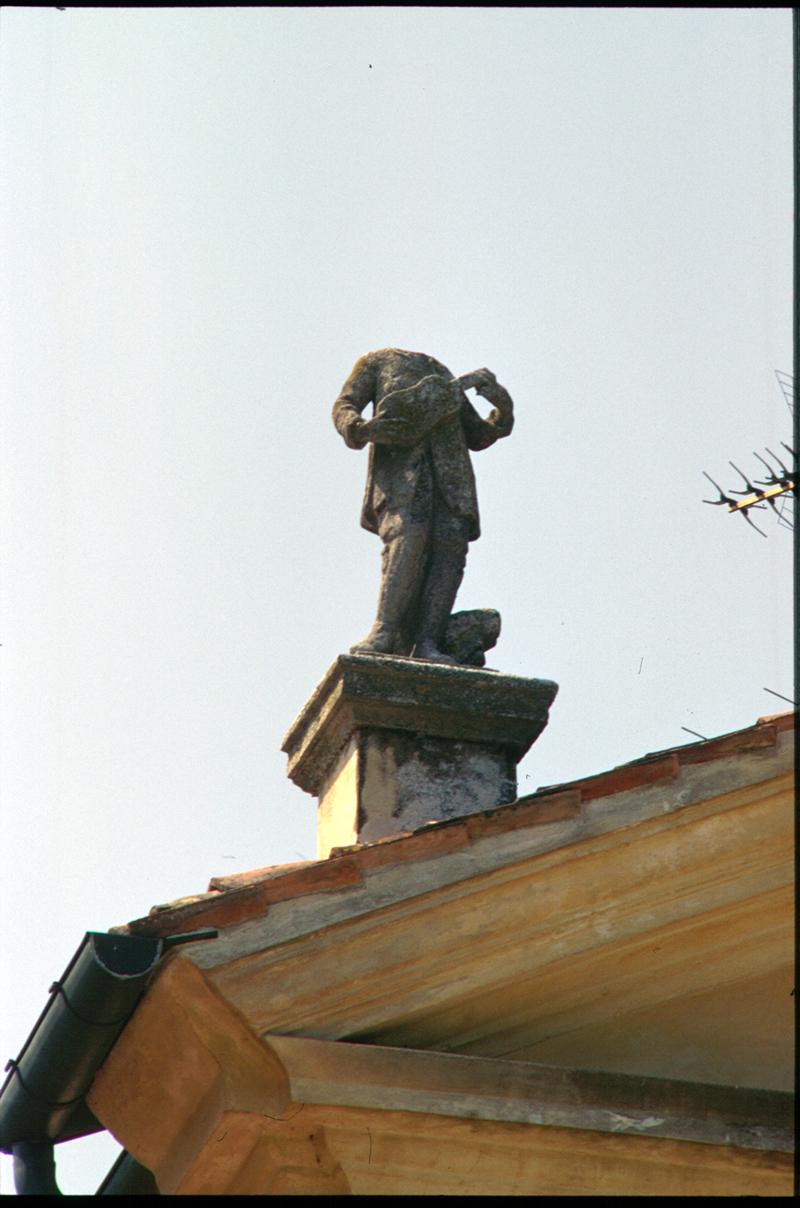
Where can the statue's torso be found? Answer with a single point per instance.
(396, 369)
(398, 474)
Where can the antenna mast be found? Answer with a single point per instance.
(778, 489)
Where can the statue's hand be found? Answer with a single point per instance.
(387, 430)
(488, 387)
(479, 378)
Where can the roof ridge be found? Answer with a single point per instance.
(250, 893)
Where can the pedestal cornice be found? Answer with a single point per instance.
(434, 700)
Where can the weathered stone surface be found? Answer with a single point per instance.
(468, 635)
(420, 497)
(427, 699)
(389, 744)
(391, 781)
(422, 407)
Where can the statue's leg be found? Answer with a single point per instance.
(402, 566)
(448, 556)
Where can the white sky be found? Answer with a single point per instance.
(207, 216)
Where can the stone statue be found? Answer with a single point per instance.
(420, 497)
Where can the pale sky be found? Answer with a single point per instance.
(207, 216)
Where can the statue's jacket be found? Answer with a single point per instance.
(394, 471)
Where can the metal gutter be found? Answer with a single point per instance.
(43, 1099)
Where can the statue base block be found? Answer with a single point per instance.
(388, 744)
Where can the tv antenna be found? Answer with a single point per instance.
(778, 489)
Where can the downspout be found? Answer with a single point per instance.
(128, 1177)
(35, 1168)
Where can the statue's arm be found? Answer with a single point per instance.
(356, 394)
(481, 433)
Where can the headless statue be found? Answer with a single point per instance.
(420, 496)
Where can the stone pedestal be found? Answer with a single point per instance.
(387, 744)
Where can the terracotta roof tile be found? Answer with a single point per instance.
(425, 843)
(628, 776)
(528, 811)
(783, 721)
(213, 910)
(224, 909)
(237, 880)
(754, 739)
(322, 876)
